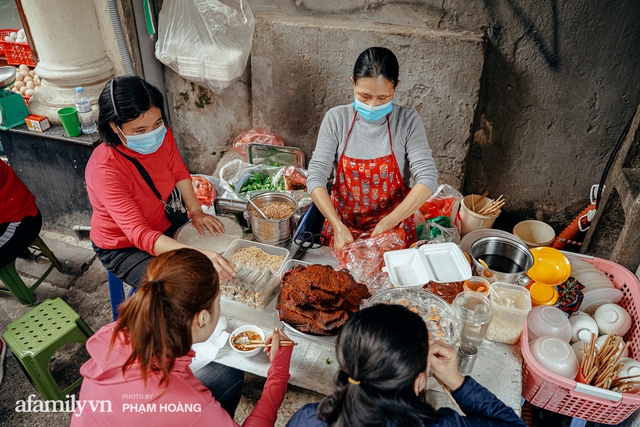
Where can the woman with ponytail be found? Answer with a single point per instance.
(384, 357)
(139, 366)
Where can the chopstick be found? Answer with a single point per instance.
(446, 390)
(493, 207)
(282, 344)
(479, 200)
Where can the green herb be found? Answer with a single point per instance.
(328, 361)
(274, 164)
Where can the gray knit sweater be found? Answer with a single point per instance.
(370, 140)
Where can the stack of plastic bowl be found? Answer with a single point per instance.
(548, 321)
(535, 233)
(550, 268)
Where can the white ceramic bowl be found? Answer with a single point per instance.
(577, 349)
(630, 367)
(548, 320)
(582, 326)
(246, 328)
(612, 319)
(555, 355)
(600, 342)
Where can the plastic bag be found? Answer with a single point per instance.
(364, 257)
(294, 178)
(445, 201)
(205, 41)
(255, 136)
(242, 180)
(205, 192)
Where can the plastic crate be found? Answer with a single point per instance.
(18, 53)
(4, 32)
(564, 396)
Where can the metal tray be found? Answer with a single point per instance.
(229, 205)
(260, 154)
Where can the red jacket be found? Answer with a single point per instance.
(16, 201)
(185, 402)
(126, 212)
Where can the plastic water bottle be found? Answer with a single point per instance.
(83, 105)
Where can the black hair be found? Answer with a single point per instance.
(375, 62)
(122, 100)
(385, 348)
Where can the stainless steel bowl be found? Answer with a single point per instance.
(506, 260)
(7, 76)
(276, 232)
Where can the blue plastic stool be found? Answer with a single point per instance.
(116, 293)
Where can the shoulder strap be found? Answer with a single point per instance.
(143, 172)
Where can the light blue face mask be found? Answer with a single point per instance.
(373, 113)
(146, 143)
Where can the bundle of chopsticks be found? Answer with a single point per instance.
(260, 343)
(600, 366)
(490, 209)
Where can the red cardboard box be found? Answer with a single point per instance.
(37, 123)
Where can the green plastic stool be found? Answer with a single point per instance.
(17, 287)
(35, 337)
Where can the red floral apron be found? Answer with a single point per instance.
(365, 191)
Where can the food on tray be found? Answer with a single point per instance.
(205, 193)
(442, 323)
(256, 281)
(317, 299)
(240, 341)
(257, 258)
(276, 210)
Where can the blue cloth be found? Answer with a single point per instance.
(483, 409)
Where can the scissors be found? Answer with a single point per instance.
(306, 241)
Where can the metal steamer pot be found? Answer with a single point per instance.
(277, 232)
(506, 260)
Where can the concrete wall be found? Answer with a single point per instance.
(557, 89)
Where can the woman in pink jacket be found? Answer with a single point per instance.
(139, 374)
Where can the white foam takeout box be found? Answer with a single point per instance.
(438, 262)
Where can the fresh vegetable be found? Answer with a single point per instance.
(258, 181)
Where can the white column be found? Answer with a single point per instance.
(71, 50)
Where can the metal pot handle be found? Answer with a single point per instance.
(523, 280)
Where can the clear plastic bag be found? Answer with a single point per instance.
(255, 136)
(205, 41)
(364, 257)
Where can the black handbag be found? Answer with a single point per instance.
(174, 206)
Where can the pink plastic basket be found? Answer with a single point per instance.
(558, 394)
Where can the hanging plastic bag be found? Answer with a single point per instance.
(205, 41)
(255, 136)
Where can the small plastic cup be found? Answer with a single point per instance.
(69, 119)
(470, 220)
(477, 284)
(474, 310)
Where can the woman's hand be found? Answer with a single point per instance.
(274, 339)
(382, 226)
(226, 269)
(341, 236)
(201, 220)
(444, 364)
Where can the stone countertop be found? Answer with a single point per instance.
(313, 365)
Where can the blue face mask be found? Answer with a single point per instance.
(146, 143)
(373, 113)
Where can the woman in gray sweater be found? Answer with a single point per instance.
(375, 147)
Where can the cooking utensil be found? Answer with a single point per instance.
(308, 240)
(257, 209)
(505, 260)
(273, 231)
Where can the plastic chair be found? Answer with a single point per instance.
(22, 292)
(35, 337)
(116, 293)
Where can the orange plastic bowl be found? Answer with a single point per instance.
(550, 266)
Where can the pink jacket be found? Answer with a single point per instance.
(126, 212)
(109, 398)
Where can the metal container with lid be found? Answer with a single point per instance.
(275, 232)
(499, 259)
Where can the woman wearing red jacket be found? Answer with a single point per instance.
(140, 364)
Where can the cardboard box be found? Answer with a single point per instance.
(37, 123)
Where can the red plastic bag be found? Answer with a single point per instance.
(294, 178)
(364, 257)
(255, 136)
(437, 206)
(204, 190)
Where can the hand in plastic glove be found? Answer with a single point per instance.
(226, 269)
(201, 220)
(341, 236)
(444, 364)
(274, 339)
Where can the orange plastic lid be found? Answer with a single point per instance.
(543, 294)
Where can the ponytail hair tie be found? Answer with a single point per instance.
(352, 381)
